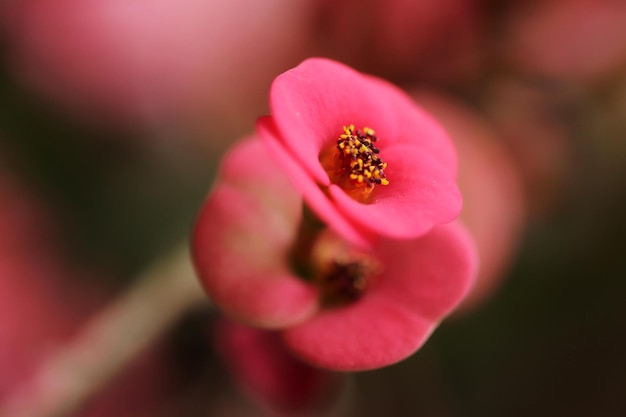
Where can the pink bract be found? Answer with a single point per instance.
(240, 249)
(423, 280)
(240, 240)
(310, 105)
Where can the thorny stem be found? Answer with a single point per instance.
(161, 295)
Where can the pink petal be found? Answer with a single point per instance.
(430, 275)
(368, 335)
(423, 280)
(312, 102)
(419, 127)
(240, 241)
(421, 193)
(313, 194)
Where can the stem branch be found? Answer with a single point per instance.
(109, 341)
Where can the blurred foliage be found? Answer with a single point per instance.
(120, 197)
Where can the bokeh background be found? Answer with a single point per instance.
(114, 115)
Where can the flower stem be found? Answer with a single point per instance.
(108, 342)
(300, 254)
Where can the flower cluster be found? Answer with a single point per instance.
(333, 223)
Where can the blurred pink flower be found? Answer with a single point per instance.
(154, 62)
(541, 140)
(367, 159)
(358, 309)
(405, 40)
(269, 373)
(579, 40)
(494, 202)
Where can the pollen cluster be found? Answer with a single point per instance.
(360, 157)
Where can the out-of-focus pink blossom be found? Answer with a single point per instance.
(578, 40)
(367, 159)
(356, 309)
(269, 373)
(494, 203)
(405, 40)
(531, 121)
(155, 62)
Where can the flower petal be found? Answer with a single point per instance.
(430, 275)
(368, 335)
(421, 194)
(312, 102)
(423, 280)
(313, 194)
(241, 237)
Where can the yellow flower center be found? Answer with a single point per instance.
(355, 164)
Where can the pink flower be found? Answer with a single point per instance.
(405, 39)
(154, 63)
(353, 308)
(576, 40)
(269, 373)
(393, 174)
(540, 140)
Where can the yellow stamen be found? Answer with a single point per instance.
(355, 164)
